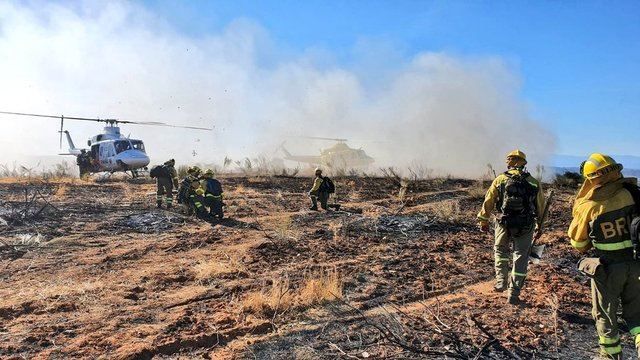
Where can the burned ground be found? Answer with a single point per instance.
(95, 271)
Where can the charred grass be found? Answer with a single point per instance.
(208, 290)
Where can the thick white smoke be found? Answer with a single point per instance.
(119, 60)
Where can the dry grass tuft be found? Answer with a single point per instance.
(317, 288)
(209, 269)
(61, 191)
(448, 210)
(320, 288)
(477, 191)
(284, 229)
(277, 299)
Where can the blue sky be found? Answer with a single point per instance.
(578, 60)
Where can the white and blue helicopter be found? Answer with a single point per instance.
(109, 151)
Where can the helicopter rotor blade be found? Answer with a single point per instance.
(110, 121)
(322, 138)
(156, 123)
(58, 116)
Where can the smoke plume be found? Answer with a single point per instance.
(120, 60)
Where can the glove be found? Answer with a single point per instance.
(484, 226)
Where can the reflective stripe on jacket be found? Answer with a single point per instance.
(602, 221)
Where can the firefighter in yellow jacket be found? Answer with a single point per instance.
(318, 192)
(517, 197)
(602, 215)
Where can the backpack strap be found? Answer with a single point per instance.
(501, 191)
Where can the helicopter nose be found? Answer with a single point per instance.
(135, 159)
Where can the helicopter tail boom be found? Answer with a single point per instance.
(72, 148)
(285, 151)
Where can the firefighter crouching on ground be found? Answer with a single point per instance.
(166, 181)
(602, 215)
(196, 201)
(193, 175)
(318, 192)
(213, 195)
(518, 198)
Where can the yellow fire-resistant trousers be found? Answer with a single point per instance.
(521, 240)
(610, 284)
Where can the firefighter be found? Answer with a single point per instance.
(318, 192)
(84, 162)
(196, 201)
(213, 195)
(184, 190)
(602, 212)
(517, 197)
(166, 181)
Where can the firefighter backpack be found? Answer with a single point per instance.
(328, 185)
(518, 201)
(159, 171)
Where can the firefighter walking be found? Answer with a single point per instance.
(517, 197)
(166, 180)
(602, 215)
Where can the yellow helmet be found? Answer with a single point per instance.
(318, 170)
(598, 165)
(517, 154)
(200, 191)
(208, 173)
(516, 159)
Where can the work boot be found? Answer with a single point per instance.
(159, 204)
(513, 299)
(313, 208)
(617, 356)
(169, 206)
(500, 286)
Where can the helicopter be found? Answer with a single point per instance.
(108, 151)
(338, 156)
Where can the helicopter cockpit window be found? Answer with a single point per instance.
(138, 145)
(122, 145)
